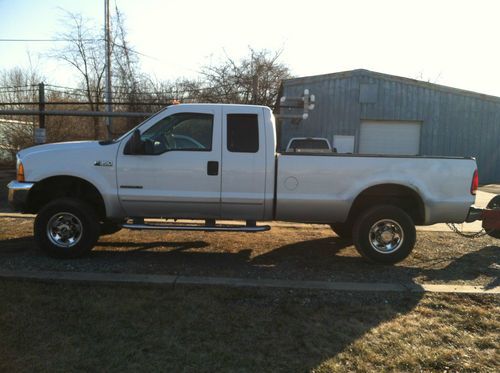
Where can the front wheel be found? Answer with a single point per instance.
(66, 228)
(384, 234)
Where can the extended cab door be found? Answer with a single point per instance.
(243, 162)
(179, 176)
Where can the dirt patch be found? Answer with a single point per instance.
(286, 252)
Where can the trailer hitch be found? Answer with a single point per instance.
(490, 216)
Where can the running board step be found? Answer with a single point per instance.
(206, 228)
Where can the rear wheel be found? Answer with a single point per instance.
(384, 234)
(66, 228)
(343, 230)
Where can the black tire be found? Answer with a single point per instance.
(343, 230)
(109, 227)
(70, 222)
(398, 243)
(494, 204)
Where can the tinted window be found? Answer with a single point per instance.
(182, 131)
(242, 133)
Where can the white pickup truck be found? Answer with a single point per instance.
(212, 162)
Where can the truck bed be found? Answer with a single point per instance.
(322, 187)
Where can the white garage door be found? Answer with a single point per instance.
(389, 137)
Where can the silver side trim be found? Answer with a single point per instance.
(215, 228)
(16, 185)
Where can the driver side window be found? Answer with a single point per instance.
(181, 131)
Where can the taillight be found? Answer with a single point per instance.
(20, 172)
(475, 183)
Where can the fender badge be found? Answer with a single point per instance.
(103, 163)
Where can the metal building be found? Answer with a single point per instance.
(366, 112)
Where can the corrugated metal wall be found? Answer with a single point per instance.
(454, 122)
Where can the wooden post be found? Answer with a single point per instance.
(40, 134)
(41, 105)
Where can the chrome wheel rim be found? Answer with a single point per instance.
(64, 229)
(386, 236)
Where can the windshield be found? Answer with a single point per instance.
(140, 124)
(180, 131)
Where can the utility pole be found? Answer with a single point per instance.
(107, 41)
(255, 88)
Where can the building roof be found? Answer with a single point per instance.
(399, 79)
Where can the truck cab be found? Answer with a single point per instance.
(199, 161)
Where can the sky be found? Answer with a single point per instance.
(454, 43)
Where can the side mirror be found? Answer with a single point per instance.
(135, 145)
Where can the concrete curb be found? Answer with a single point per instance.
(125, 278)
(15, 215)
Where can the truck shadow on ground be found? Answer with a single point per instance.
(468, 267)
(327, 258)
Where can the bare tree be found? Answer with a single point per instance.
(17, 86)
(83, 51)
(253, 80)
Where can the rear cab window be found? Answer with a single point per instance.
(242, 133)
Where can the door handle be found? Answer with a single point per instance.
(212, 168)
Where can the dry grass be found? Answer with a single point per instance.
(311, 252)
(56, 327)
(50, 327)
(442, 333)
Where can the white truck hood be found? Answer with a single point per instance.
(78, 158)
(59, 147)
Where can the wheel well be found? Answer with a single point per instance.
(390, 194)
(65, 186)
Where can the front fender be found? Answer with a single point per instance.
(90, 161)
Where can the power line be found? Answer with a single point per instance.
(46, 40)
(65, 87)
(76, 103)
(128, 49)
(67, 40)
(4, 91)
(65, 93)
(17, 86)
(80, 92)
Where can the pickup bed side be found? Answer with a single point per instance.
(324, 188)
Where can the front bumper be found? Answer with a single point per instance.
(18, 194)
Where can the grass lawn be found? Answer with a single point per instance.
(72, 327)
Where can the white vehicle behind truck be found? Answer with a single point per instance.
(309, 144)
(212, 162)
